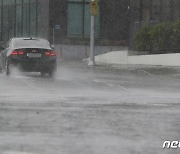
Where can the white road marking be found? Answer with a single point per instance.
(30, 85)
(98, 81)
(84, 78)
(125, 89)
(112, 85)
(16, 152)
(146, 72)
(22, 77)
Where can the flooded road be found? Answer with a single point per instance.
(88, 111)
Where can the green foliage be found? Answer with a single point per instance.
(143, 39)
(176, 32)
(160, 37)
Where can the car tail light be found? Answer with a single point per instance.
(47, 53)
(53, 53)
(50, 53)
(20, 52)
(15, 52)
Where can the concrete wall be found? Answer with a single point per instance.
(114, 57)
(106, 55)
(161, 59)
(121, 57)
(82, 51)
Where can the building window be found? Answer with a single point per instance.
(26, 18)
(78, 23)
(18, 18)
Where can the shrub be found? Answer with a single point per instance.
(142, 39)
(160, 37)
(176, 34)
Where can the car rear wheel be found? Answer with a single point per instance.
(0, 70)
(43, 74)
(51, 74)
(52, 71)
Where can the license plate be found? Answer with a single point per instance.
(34, 55)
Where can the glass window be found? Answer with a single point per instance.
(75, 19)
(8, 21)
(26, 18)
(26, 1)
(8, 2)
(18, 18)
(40, 43)
(79, 19)
(33, 18)
(18, 1)
(0, 23)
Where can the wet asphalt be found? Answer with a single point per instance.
(85, 110)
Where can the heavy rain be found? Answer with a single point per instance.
(89, 76)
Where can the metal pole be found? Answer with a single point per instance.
(22, 24)
(15, 23)
(29, 30)
(36, 17)
(2, 23)
(53, 36)
(92, 43)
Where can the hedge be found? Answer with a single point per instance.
(161, 37)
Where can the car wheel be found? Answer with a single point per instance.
(51, 74)
(7, 69)
(43, 74)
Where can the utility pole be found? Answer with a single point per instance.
(53, 35)
(93, 12)
(92, 43)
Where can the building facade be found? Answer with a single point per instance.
(73, 16)
(155, 10)
(64, 19)
(23, 18)
(68, 21)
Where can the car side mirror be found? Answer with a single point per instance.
(52, 46)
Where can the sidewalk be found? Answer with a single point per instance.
(161, 71)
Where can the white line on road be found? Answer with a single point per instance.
(30, 85)
(16, 152)
(146, 72)
(84, 78)
(125, 89)
(98, 81)
(112, 85)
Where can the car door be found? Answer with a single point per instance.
(1, 55)
(3, 58)
(4, 55)
(1, 49)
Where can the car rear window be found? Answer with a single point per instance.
(39, 43)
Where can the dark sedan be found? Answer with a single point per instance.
(30, 55)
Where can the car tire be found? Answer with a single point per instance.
(51, 74)
(43, 74)
(1, 70)
(7, 68)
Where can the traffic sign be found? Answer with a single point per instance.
(57, 27)
(94, 8)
